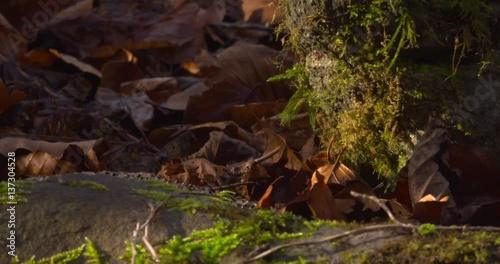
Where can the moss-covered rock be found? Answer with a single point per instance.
(375, 71)
(442, 247)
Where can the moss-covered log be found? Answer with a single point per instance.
(373, 71)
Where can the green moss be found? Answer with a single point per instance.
(303, 97)
(354, 76)
(192, 202)
(87, 251)
(157, 184)
(91, 253)
(91, 184)
(19, 187)
(314, 225)
(142, 255)
(69, 256)
(426, 229)
(210, 245)
(155, 195)
(441, 247)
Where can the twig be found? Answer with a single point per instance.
(322, 240)
(266, 156)
(329, 154)
(243, 26)
(379, 203)
(231, 185)
(329, 149)
(148, 245)
(152, 212)
(134, 242)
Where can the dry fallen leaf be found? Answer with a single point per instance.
(285, 156)
(223, 150)
(424, 176)
(48, 158)
(250, 65)
(114, 73)
(9, 100)
(321, 202)
(261, 11)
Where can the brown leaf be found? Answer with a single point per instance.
(321, 201)
(249, 65)
(401, 191)
(212, 104)
(296, 133)
(359, 187)
(79, 9)
(40, 163)
(299, 206)
(179, 101)
(197, 172)
(284, 156)
(200, 172)
(9, 100)
(23, 14)
(336, 173)
(161, 136)
(47, 58)
(429, 209)
(158, 89)
(114, 73)
(424, 176)
(223, 150)
(298, 182)
(261, 11)
(478, 173)
(266, 201)
(47, 158)
(112, 26)
(246, 115)
(278, 194)
(211, 12)
(271, 196)
(483, 211)
(195, 137)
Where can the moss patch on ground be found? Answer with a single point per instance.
(21, 189)
(438, 247)
(91, 184)
(87, 252)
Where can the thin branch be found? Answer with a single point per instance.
(267, 156)
(223, 187)
(380, 203)
(148, 245)
(153, 210)
(243, 26)
(134, 243)
(325, 239)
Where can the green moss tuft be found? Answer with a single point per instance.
(426, 229)
(21, 188)
(211, 245)
(91, 184)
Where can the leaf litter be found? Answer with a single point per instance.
(179, 89)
